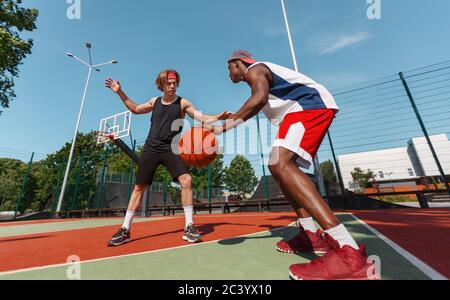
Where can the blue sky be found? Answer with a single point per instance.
(336, 44)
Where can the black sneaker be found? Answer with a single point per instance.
(121, 237)
(191, 234)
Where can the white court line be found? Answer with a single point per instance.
(153, 218)
(136, 254)
(138, 219)
(429, 271)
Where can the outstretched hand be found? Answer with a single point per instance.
(114, 85)
(224, 116)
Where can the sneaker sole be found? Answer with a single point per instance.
(295, 277)
(185, 238)
(112, 244)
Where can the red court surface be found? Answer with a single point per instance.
(425, 233)
(43, 249)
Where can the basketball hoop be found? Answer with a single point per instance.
(104, 137)
(114, 127)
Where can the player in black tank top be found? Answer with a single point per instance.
(168, 112)
(161, 135)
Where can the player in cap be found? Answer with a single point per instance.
(242, 55)
(304, 110)
(168, 112)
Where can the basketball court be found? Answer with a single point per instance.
(370, 145)
(237, 246)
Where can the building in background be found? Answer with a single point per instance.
(400, 166)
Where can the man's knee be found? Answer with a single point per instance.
(280, 160)
(276, 169)
(279, 167)
(185, 181)
(140, 188)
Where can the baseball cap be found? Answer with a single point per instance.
(243, 55)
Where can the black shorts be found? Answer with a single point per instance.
(149, 162)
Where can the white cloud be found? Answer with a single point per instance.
(334, 44)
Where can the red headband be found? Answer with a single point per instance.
(171, 75)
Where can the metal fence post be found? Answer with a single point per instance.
(75, 193)
(209, 188)
(131, 173)
(24, 183)
(57, 190)
(102, 178)
(336, 163)
(424, 130)
(165, 190)
(266, 188)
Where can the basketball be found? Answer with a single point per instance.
(198, 147)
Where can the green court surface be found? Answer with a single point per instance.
(33, 228)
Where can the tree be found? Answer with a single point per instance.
(240, 177)
(199, 179)
(53, 167)
(13, 49)
(328, 172)
(365, 178)
(44, 181)
(200, 176)
(11, 174)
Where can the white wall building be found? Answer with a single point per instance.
(413, 161)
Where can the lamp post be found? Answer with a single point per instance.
(91, 67)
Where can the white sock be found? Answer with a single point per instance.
(342, 236)
(308, 224)
(188, 212)
(128, 219)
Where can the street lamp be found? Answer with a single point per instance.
(91, 67)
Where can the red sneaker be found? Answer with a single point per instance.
(305, 242)
(339, 263)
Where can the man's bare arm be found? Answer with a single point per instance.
(137, 109)
(259, 84)
(189, 108)
(115, 86)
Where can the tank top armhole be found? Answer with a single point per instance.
(265, 65)
(256, 64)
(181, 107)
(155, 106)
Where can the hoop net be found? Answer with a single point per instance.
(104, 137)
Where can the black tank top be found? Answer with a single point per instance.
(163, 130)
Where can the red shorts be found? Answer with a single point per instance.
(303, 132)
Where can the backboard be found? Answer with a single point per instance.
(114, 127)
